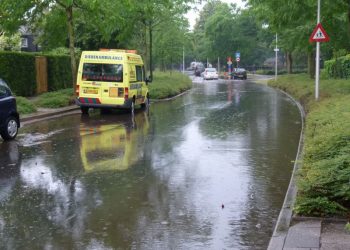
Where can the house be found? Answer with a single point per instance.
(28, 40)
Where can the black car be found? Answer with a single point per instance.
(199, 69)
(240, 73)
(9, 117)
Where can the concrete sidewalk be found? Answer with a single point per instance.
(313, 234)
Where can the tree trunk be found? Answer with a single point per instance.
(69, 13)
(311, 64)
(289, 63)
(150, 52)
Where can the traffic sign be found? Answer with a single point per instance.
(238, 59)
(319, 34)
(238, 55)
(276, 50)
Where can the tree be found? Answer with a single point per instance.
(27, 11)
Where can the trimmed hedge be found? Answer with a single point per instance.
(338, 67)
(18, 71)
(59, 73)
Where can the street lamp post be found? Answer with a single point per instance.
(276, 59)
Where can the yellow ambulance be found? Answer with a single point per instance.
(111, 79)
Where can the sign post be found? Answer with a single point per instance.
(229, 64)
(318, 35)
(238, 57)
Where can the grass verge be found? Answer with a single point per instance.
(55, 99)
(168, 84)
(324, 179)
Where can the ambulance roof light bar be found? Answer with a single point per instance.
(120, 50)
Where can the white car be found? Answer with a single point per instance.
(210, 73)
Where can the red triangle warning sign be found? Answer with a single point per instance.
(319, 34)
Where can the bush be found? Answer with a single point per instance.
(338, 67)
(57, 99)
(24, 106)
(59, 73)
(324, 177)
(168, 84)
(18, 70)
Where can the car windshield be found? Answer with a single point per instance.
(102, 72)
(240, 70)
(3, 83)
(210, 69)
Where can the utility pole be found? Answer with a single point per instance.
(183, 60)
(219, 65)
(276, 60)
(317, 78)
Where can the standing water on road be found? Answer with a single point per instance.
(208, 170)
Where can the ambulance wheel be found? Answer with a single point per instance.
(132, 108)
(84, 110)
(146, 103)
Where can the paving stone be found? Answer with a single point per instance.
(335, 233)
(337, 246)
(304, 234)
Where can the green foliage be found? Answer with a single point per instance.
(18, 70)
(24, 106)
(338, 67)
(56, 99)
(319, 206)
(11, 42)
(59, 72)
(347, 227)
(168, 84)
(325, 175)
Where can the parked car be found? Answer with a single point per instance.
(9, 117)
(240, 73)
(210, 73)
(199, 69)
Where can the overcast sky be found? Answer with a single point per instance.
(192, 15)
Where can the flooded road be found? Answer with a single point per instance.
(208, 170)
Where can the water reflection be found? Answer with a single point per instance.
(110, 145)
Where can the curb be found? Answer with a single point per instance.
(48, 113)
(286, 214)
(171, 98)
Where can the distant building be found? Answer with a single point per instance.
(270, 62)
(27, 40)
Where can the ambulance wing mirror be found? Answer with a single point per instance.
(148, 79)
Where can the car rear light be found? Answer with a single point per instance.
(77, 90)
(126, 95)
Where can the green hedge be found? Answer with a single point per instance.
(338, 67)
(59, 72)
(18, 70)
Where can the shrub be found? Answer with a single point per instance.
(59, 73)
(324, 177)
(338, 67)
(24, 106)
(18, 70)
(168, 84)
(57, 99)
